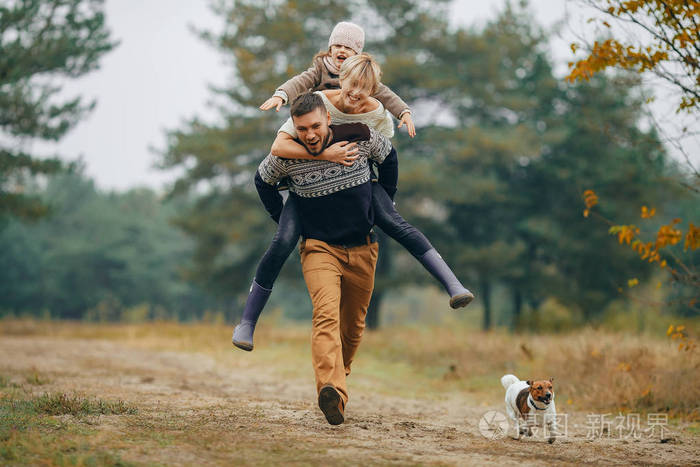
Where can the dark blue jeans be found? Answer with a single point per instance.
(289, 229)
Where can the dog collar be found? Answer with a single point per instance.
(531, 403)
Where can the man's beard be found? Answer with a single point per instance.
(324, 144)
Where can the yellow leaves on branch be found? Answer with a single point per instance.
(678, 333)
(667, 235)
(692, 238)
(648, 252)
(591, 199)
(612, 53)
(625, 233)
(670, 32)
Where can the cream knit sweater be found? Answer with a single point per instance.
(378, 119)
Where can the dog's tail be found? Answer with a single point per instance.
(507, 380)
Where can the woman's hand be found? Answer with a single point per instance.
(274, 101)
(341, 152)
(408, 121)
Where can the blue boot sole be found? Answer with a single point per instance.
(461, 300)
(244, 345)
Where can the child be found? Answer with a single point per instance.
(346, 40)
(359, 78)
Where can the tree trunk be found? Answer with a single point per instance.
(517, 309)
(486, 297)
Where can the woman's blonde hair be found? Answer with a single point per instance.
(362, 71)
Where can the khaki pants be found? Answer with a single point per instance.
(340, 282)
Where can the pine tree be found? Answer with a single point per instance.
(42, 42)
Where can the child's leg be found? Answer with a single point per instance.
(391, 222)
(284, 241)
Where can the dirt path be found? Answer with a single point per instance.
(194, 409)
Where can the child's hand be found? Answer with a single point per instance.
(341, 152)
(408, 121)
(274, 101)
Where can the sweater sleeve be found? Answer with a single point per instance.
(376, 148)
(270, 171)
(391, 101)
(302, 82)
(270, 197)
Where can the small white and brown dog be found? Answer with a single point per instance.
(530, 403)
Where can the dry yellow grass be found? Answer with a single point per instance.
(593, 370)
(179, 394)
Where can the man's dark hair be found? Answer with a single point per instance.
(305, 103)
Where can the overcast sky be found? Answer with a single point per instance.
(158, 76)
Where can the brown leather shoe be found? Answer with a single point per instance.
(331, 404)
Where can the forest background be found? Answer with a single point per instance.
(495, 177)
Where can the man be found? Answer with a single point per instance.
(338, 249)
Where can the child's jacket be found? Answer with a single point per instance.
(318, 78)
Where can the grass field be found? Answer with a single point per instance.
(166, 393)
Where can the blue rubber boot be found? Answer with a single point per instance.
(243, 333)
(433, 262)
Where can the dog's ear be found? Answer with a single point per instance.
(551, 380)
(529, 382)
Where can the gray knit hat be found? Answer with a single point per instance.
(348, 34)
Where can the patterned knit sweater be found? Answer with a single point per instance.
(334, 202)
(311, 179)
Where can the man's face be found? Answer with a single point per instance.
(313, 131)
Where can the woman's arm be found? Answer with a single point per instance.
(287, 147)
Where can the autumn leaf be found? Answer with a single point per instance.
(590, 198)
(692, 238)
(668, 36)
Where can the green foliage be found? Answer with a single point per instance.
(41, 43)
(267, 43)
(493, 178)
(97, 255)
(605, 149)
(504, 178)
(497, 91)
